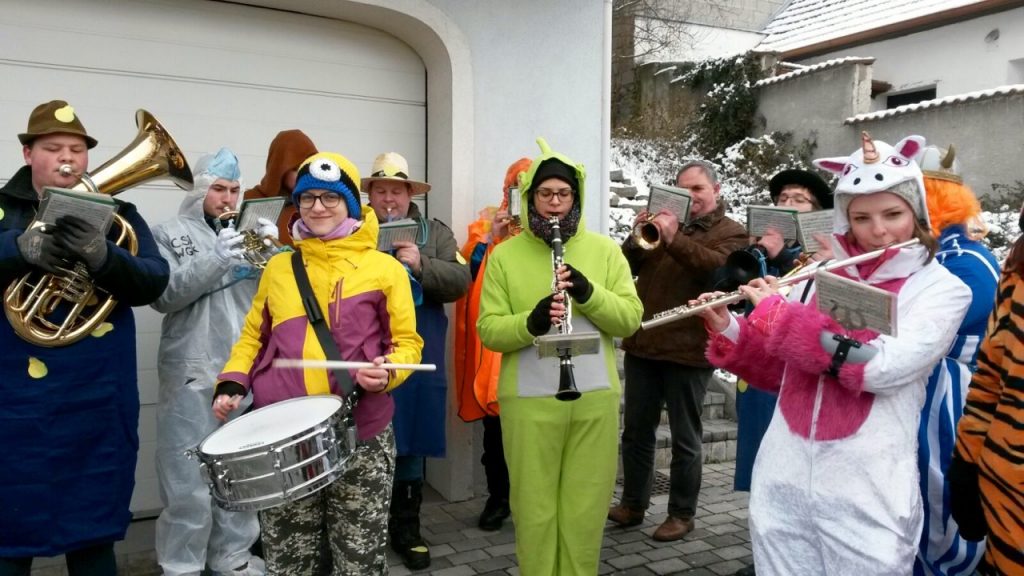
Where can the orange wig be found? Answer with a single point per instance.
(950, 203)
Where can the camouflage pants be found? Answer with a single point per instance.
(351, 514)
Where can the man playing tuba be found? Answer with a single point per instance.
(68, 425)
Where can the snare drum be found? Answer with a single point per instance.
(277, 454)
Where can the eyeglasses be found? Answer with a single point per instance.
(793, 198)
(547, 193)
(328, 199)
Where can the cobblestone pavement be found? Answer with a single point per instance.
(719, 545)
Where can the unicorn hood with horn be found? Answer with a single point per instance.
(877, 167)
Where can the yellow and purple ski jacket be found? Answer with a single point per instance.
(365, 297)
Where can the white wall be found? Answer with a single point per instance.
(537, 71)
(955, 58)
(699, 42)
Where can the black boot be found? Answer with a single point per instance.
(404, 524)
(495, 512)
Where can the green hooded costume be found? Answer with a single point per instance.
(562, 456)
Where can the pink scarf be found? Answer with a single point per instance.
(343, 230)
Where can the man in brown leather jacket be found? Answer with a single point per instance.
(665, 365)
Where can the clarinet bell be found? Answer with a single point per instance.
(566, 383)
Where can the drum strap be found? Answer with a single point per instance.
(323, 333)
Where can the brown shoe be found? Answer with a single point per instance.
(625, 516)
(673, 529)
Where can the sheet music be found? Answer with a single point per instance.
(856, 305)
(761, 218)
(96, 209)
(675, 200)
(514, 201)
(404, 230)
(811, 223)
(253, 210)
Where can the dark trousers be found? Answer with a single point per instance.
(493, 459)
(92, 561)
(650, 385)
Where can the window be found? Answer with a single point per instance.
(913, 97)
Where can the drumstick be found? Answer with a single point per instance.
(344, 365)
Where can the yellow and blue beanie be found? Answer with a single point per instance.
(330, 171)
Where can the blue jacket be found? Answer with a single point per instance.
(69, 438)
(420, 402)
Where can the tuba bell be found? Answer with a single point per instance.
(53, 310)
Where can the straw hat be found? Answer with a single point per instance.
(392, 166)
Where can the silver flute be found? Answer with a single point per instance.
(680, 312)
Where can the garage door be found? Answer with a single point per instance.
(215, 74)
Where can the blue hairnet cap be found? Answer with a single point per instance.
(223, 164)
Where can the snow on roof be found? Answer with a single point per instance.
(1008, 90)
(815, 68)
(805, 22)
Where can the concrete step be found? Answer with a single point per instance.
(714, 408)
(718, 442)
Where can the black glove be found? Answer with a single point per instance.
(83, 240)
(581, 288)
(965, 499)
(539, 321)
(228, 388)
(40, 248)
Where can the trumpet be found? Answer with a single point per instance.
(257, 249)
(646, 233)
(795, 277)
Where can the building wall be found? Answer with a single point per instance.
(702, 42)
(814, 105)
(988, 132)
(956, 58)
(988, 135)
(538, 71)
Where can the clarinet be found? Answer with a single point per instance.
(566, 379)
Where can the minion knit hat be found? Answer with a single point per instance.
(333, 172)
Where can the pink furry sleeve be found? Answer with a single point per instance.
(746, 358)
(795, 338)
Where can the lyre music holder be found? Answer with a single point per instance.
(577, 344)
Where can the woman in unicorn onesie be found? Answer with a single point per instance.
(835, 486)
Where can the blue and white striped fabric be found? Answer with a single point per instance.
(942, 551)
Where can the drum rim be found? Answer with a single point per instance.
(206, 456)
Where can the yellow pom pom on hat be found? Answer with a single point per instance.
(392, 166)
(54, 117)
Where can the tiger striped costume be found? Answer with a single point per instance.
(991, 432)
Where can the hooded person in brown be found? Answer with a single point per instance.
(288, 149)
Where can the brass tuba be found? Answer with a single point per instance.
(33, 302)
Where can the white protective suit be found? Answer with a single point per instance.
(204, 305)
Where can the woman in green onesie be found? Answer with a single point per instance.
(561, 456)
